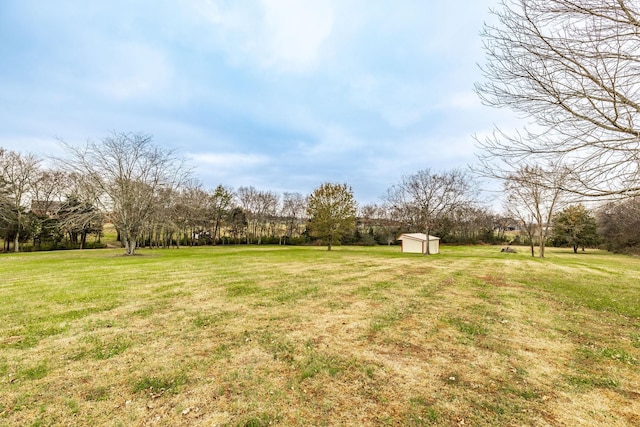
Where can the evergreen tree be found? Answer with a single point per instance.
(575, 227)
(332, 212)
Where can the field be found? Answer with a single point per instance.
(299, 336)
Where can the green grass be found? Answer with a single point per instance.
(100, 348)
(251, 336)
(156, 386)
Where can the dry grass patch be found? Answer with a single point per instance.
(253, 336)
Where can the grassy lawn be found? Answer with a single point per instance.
(256, 336)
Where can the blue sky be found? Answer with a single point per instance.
(278, 94)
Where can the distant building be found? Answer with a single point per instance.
(416, 243)
(47, 209)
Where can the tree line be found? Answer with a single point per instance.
(149, 196)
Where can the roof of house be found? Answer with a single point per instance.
(417, 236)
(43, 207)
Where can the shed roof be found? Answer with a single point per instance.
(417, 236)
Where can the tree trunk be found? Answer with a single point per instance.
(428, 251)
(16, 242)
(132, 247)
(129, 244)
(215, 232)
(533, 250)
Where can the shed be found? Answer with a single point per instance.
(417, 243)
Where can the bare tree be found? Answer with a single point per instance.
(247, 201)
(78, 219)
(533, 195)
(293, 214)
(425, 197)
(378, 221)
(266, 211)
(470, 224)
(390, 225)
(259, 207)
(525, 222)
(572, 68)
(619, 225)
(368, 222)
(126, 172)
(193, 209)
(164, 222)
(18, 173)
(48, 190)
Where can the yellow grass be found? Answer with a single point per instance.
(301, 336)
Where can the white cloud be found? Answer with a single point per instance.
(334, 140)
(233, 169)
(286, 35)
(296, 31)
(225, 162)
(132, 70)
(400, 104)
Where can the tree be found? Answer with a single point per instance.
(533, 194)
(18, 173)
(332, 212)
(619, 225)
(389, 226)
(572, 68)
(292, 214)
(426, 197)
(79, 219)
(265, 214)
(524, 219)
(165, 220)
(193, 204)
(378, 222)
(471, 224)
(575, 226)
(368, 223)
(248, 201)
(237, 221)
(220, 201)
(126, 173)
(48, 189)
(260, 208)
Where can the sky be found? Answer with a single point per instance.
(282, 95)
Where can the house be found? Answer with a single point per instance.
(44, 208)
(417, 243)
